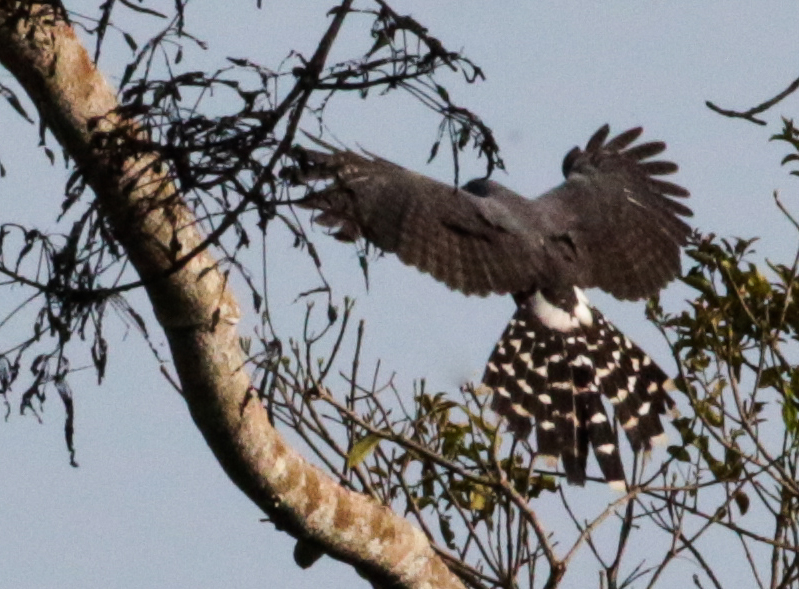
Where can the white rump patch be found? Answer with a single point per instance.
(598, 418)
(508, 369)
(515, 344)
(526, 388)
(541, 371)
(492, 367)
(526, 358)
(552, 317)
(560, 320)
(503, 392)
(546, 425)
(644, 409)
(636, 364)
(545, 399)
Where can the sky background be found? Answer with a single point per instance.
(149, 506)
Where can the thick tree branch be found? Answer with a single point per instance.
(197, 311)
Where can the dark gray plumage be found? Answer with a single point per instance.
(612, 224)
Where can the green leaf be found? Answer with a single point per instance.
(679, 453)
(332, 314)
(770, 377)
(701, 284)
(364, 263)
(446, 530)
(15, 104)
(463, 137)
(361, 449)
(130, 41)
(307, 552)
(477, 500)
(742, 501)
(382, 40)
(434, 151)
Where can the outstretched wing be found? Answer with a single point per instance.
(472, 244)
(611, 224)
(617, 215)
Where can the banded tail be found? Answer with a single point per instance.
(553, 366)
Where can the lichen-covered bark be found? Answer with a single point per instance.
(199, 314)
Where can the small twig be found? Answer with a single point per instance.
(749, 115)
(624, 535)
(702, 562)
(557, 567)
(598, 520)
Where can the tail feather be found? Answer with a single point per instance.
(556, 378)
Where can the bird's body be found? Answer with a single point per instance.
(610, 225)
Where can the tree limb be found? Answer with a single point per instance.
(197, 310)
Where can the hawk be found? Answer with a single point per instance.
(612, 224)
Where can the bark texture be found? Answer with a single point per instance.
(199, 313)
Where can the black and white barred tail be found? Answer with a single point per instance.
(553, 366)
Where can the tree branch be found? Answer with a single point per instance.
(749, 115)
(197, 311)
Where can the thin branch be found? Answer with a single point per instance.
(749, 115)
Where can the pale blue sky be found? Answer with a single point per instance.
(149, 506)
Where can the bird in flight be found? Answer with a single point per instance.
(613, 224)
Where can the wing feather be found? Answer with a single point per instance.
(611, 224)
(620, 141)
(626, 229)
(456, 236)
